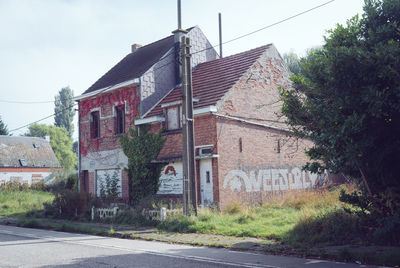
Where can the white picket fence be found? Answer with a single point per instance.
(103, 213)
(161, 214)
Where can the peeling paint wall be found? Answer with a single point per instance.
(256, 162)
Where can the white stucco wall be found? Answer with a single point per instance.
(24, 177)
(104, 160)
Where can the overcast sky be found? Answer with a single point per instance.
(49, 44)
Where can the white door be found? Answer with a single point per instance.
(206, 182)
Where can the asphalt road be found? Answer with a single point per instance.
(22, 247)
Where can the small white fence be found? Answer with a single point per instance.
(161, 214)
(103, 213)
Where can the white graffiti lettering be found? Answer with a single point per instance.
(270, 180)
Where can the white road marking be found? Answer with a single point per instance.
(152, 252)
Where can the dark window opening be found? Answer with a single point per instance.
(22, 162)
(120, 119)
(240, 145)
(278, 146)
(94, 125)
(208, 177)
(206, 151)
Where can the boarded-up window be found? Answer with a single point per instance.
(94, 124)
(174, 115)
(37, 178)
(104, 178)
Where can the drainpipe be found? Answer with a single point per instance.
(79, 150)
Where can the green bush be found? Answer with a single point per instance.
(67, 204)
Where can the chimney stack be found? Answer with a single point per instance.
(135, 47)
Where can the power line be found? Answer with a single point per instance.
(268, 26)
(25, 102)
(66, 108)
(226, 42)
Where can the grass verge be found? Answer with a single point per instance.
(17, 203)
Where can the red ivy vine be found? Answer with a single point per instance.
(126, 95)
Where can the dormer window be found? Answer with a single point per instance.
(22, 162)
(120, 119)
(95, 124)
(174, 117)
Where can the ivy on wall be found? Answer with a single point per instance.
(142, 147)
(127, 95)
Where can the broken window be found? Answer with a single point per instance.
(174, 116)
(94, 124)
(120, 119)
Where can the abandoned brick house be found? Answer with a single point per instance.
(26, 160)
(244, 151)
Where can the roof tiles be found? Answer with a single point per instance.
(134, 64)
(212, 80)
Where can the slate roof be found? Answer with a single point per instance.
(134, 64)
(213, 79)
(36, 152)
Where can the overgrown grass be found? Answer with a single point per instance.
(300, 217)
(18, 203)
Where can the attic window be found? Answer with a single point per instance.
(22, 162)
(35, 145)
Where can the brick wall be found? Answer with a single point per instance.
(108, 139)
(274, 153)
(270, 160)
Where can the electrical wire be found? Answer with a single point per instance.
(226, 42)
(25, 102)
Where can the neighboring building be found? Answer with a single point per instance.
(26, 160)
(244, 150)
(129, 89)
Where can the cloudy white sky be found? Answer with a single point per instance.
(49, 44)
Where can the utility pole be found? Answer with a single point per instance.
(220, 35)
(189, 165)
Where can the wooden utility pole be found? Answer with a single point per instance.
(189, 165)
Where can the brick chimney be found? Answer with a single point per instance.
(135, 47)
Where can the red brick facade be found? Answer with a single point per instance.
(95, 149)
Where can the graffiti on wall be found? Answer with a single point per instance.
(171, 179)
(269, 180)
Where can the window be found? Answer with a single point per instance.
(240, 145)
(22, 162)
(94, 124)
(174, 116)
(120, 119)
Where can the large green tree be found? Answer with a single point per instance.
(3, 128)
(60, 142)
(347, 99)
(64, 110)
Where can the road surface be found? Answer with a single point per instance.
(22, 247)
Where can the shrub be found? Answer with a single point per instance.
(67, 204)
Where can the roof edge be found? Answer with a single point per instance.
(106, 89)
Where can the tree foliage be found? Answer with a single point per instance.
(60, 142)
(141, 150)
(64, 110)
(293, 62)
(347, 99)
(3, 128)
